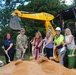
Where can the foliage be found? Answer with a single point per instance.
(31, 26)
(3, 33)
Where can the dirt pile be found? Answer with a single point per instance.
(41, 67)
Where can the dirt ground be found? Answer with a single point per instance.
(41, 67)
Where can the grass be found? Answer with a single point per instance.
(2, 58)
(27, 55)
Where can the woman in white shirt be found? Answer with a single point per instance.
(69, 42)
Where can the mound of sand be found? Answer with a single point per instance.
(41, 67)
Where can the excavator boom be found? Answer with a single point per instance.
(36, 16)
(43, 16)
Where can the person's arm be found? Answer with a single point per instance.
(3, 48)
(44, 39)
(75, 47)
(10, 47)
(64, 42)
(61, 42)
(3, 45)
(71, 38)
(32, 43)
(40, 44)
(50, 40)
(26, 44)
(58, 44)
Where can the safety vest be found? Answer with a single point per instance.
(59, 39)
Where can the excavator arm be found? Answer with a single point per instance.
(36, 16)
(43, 16)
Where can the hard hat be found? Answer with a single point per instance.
(1, 63)
(58, 28)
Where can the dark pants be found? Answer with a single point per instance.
(49, 52)
(11, 57)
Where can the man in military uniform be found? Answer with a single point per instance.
(21, 44)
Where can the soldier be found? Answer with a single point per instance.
(21, 44)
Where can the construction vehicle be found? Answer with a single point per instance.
(43, 16)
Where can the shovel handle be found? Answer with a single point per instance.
(7, 56)
(22, 57)
(73, 52)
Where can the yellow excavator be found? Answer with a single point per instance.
(43, 16)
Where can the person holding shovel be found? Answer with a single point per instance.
(8, 46)
(59, 48)
(49, 45)
(21, 44)
(70, 43)
(37, 43)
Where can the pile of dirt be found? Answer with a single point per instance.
(41, 67)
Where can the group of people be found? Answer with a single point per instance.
(62, 44)
(21, 46)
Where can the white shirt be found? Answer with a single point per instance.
(69, 46)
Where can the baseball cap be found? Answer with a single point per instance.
(22, 29)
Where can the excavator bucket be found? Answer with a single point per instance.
(14, 23)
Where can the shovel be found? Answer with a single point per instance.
(14, 23)
(71, 55)
(7, 56)
(20, 61)
(22, 57)
(42, 54)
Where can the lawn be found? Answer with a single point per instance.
(27, 55)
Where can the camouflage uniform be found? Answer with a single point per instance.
(21, 44)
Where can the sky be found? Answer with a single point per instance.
(69, 2)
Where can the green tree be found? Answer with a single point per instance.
(5, 15)
(31, 26)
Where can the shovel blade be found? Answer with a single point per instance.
(14, 23)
